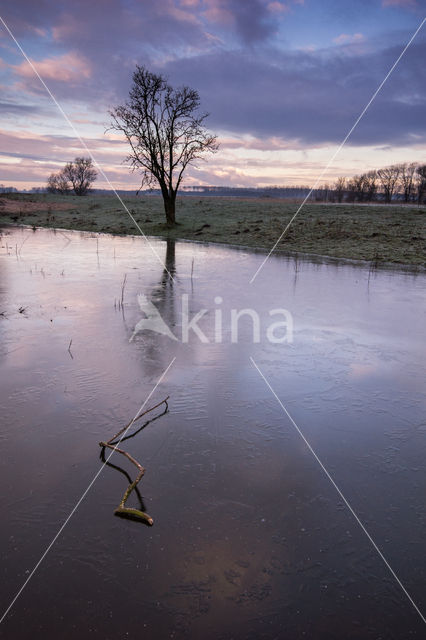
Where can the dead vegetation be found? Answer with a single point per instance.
(28, 206)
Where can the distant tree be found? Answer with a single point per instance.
(370, 180)
(52, 183)
(4, 189)
(389, 177)
(81, 173)
(360, 187)
(165, 133)
(364, 187)
(350, 190)
(421, 183)
(339, 188)
(407, 179)
(327, 193)
(78, 175)
(58, 183)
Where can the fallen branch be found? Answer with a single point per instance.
(122, 510)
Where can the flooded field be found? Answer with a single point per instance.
(251, 539)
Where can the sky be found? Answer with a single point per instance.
(283, 83)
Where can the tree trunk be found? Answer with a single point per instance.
(170, 208)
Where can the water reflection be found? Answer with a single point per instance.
(141, 504)
(250, 539)
(163, 294)
(170, 263)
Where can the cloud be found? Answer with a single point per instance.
(271, 143)
(164, 22)
(107, 39)
(115, 35)
(249, 19)
(58, 149)
(253, 21)
(345, 38)
(313, 98)
(410, 4)
(70, 68)
(11, 108)
(278, 7)
(68, 27)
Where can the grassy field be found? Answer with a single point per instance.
(379, 233)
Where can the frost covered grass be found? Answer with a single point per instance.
(378, 233)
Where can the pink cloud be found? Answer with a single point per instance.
(411, 4)
(70, 67)
(42, 33)
(68, 27)
(346, 38)
(190, 3)
(183, 14)
(27, 158)
(55, 148)
(277, 7)
(217, 12)
(272, 143)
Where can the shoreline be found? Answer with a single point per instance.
(373, 235)
(291, 254)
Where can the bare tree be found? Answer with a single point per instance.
(339, 188)
(81, 173)
(360, 187)
(389, 180)
(58, 183)
(370, 180)
(52, 182)
(421, 183)
(350, 190)
(165, 133)
(365, 186)
(407, 180)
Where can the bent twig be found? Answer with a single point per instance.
(122, 510)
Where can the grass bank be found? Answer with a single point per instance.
(380, 233)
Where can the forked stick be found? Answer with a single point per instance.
(122, 510)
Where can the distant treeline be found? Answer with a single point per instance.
(397, 183)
